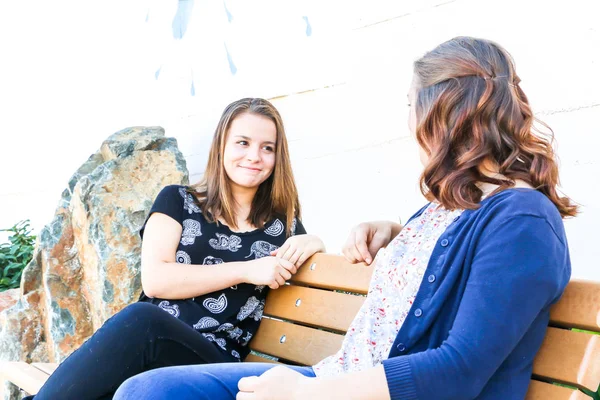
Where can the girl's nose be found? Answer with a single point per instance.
(253, 154)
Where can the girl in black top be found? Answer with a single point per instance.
(227, 317)
(210, 253)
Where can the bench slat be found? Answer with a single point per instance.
(24, 376)
(546, 391)
(314, 307)
(256, 358)
(579, 306)
(48, 368)
(302, 345)
(329, 271)
(569, 357)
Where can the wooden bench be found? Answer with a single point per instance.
(305, 321)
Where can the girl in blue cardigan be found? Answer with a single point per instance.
(460, 296)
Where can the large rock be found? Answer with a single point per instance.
(86, 264)
(8, 298)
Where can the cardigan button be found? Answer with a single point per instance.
(444, 242)
(431, 278)
(401, 347)
(418, 312)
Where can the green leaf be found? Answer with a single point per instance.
(12, 266)
(16, 254)
(16, 281)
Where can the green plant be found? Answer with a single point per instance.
(15, 255)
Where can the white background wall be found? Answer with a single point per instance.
(72, 73)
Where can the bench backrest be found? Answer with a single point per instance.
(305, 321)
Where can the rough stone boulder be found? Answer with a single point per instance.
(86, 264)
(8, 298)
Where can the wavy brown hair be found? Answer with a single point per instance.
(276, 196)
(470, 110)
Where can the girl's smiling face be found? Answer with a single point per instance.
(249, 154)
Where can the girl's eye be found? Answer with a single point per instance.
(242, 142)
(269, 148)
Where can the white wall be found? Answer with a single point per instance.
(71, 74)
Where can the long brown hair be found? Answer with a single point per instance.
(276, 196)
(470, 110)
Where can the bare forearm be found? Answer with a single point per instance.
(369, 384)
(170, 280)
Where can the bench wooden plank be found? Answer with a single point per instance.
(329, 271)
(23, 375)
(256, 358)
(314, 307)
(48, 368)
(569, 357)
(296, 343)
(579, 306)
(546, 391)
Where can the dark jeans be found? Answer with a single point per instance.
(139, 338)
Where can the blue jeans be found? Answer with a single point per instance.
(199, 382)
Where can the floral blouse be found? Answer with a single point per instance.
(397, 276)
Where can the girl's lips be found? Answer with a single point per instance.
(251, 169)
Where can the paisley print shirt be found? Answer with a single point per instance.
(229, 317)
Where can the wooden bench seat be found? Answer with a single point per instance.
(305, 321)
(28, 377)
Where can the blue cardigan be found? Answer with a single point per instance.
(481, 312)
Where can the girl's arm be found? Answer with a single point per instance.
(369, 384)
(520, 266)
(162, 277)
(284, 383)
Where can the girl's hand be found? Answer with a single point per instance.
(278, 383)
(297, 249)
(270, 271)
(366, 239)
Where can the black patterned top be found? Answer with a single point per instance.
(229, 317)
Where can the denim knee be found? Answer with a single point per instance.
(138, 319)
(134, 388)
(154, 385)
(142, 313)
